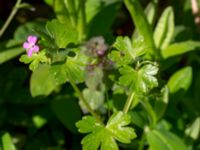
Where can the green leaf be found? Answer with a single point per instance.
(164, 140)
(105, 136)
(181, 79)
(141, 80)
(193, 130)
(10, 53)
(61, 34)
(67, 111)
(34, 60)
(164, 29)
(140, 21)
(42, 82)
(73, 68)
(180, 48)
(127, 50)
(7, 143)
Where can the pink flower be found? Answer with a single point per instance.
(30, 45)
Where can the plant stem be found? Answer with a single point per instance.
(85, 102)
(82, 20)
(9, 19)
(128, 102)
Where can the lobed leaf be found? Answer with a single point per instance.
(141, 80)
(73, 68)
(61, 34)
(34, 60)
(105, 136)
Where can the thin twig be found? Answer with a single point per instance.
(11, 16)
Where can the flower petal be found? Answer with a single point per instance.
(29, 53)
(32, 39)
(35, 48)
(26, 45)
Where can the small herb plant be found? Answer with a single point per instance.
(116, 92)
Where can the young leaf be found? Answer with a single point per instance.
(42, 82)
(164, 29)
(180, 48)
(180, 80)
(105, 136)
(128, 50)
(164, 140)
(34, 60)
(141, 80)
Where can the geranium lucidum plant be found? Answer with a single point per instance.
(111, 89)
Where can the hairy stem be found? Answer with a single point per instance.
(11, 16)
(85, 102)
(128, 102)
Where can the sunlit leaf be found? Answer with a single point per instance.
(164, 29)
(105, 136)
(140, 21)
(61, 34)
(180, 48)
(7, 143)
(34, 60)
(193, 130)
(141, 80)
